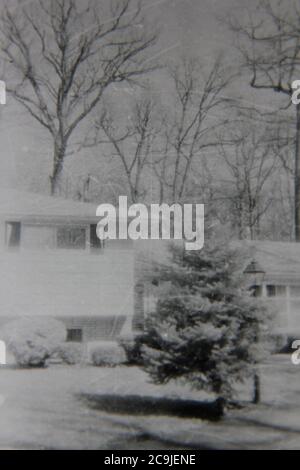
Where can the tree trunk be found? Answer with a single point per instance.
(58, 160)
(297, 177)
(256, 395)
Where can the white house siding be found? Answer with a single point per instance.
(88, 289)
(66, 283)
(281, 263)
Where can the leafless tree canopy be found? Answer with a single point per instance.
(269, 42)
(65, 53)
(133, 143)
(199, 101)
(251, 160)
(61, 56)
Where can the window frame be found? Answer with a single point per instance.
(74, 332)
(13, 223)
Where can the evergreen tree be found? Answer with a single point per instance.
(207, 328)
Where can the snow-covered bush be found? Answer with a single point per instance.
(108, 354)
(71, 353)
(33, 340)
(207, 329)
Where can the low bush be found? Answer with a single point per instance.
(107, 354)
(278, 343)
(71, 353)
(33, 340)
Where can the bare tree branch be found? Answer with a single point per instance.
(64, 54)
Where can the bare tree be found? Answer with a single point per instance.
(131, 141)
(65, 54)
(278, 219)
(269, 41)
(188, 127)
(251, 161)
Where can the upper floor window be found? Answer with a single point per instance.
(36, 236)
(95, 242)
(13, 234)
(71, 237)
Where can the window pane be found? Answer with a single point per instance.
(95, 242)
(271, 291)
(71, 237)
(13, 234)
(74, 334)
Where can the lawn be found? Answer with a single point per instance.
(43, 409)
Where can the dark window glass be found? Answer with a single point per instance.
(95, 242)
(71, 237)
(13, 234)
(75, 335)
(271, 291)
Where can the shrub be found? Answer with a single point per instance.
(280, 343)
(71, 353)
(132, 347)
(108, 354)
(33, 340)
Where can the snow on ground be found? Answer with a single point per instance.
(41, 410)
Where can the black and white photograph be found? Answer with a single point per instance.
(150, 227)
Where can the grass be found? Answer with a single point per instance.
(40, 409)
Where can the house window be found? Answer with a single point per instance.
(276, 291)
(13, 234)
(280, 291)
(75, 335)
(271, 291)
(95, 242)
(71, 237)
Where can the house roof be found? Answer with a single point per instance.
(24, 205)
(280, 260)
